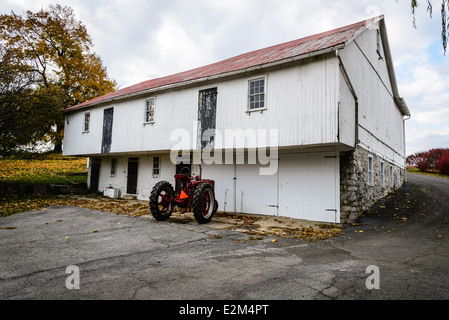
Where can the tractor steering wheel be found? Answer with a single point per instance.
(185, 171)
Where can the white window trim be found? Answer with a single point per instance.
(156, 168)
(391, 177)
(248, 110)
(113, 171)
(84, 122)
(145, 111)
(370, 170)
(382, 174)
(379, 45)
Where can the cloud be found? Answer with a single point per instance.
(143, 39)
(426, 138)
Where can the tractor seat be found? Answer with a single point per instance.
(181, 177)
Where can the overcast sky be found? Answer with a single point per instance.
(143, 39)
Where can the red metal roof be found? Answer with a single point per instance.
(256, 58)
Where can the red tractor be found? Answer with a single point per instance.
(190, 194)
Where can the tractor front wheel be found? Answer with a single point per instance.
(161, 201)
(204, 204)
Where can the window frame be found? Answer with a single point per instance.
(156, 170)
(86, 124)
(379, 46)
(382, 174)
(146, 111)
(370, 170)
(250, 95)
(391, 177)
(113, 167)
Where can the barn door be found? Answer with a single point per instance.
(108, 117)
(207, 110)
(255, 193)
(94, 175)
(133, 166)
(309, 187)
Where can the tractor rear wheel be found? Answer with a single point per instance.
(161, 200)
(204, 204)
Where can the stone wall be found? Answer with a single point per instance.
(356, 193)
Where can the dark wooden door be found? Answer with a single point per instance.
(94, 174)
(207, 111)
(108, 117)
(133, 167)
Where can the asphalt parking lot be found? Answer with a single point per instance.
(71, 253)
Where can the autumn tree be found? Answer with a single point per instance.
(444, 9)
(46, 66)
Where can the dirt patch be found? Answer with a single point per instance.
(259, 227)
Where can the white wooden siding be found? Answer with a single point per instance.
(224, 175)
(145, 178)
(381, 124)
(347, 114)
(78, 142)
(301, 102)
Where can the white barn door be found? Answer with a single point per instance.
(255, 193)
(309, 187)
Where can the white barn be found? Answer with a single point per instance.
(327, 106)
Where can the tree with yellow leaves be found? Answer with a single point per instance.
(47, 55)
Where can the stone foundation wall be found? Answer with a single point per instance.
(356, 193)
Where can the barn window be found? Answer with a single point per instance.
(149, 110)
(370, 170)
(257, 92)
(86, 122)
(379, 48)
(382, 174)
(156, 166)
(113, 167)
(391, 177)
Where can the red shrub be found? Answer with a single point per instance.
(443, 164)
(432, 160)
(419, 160)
